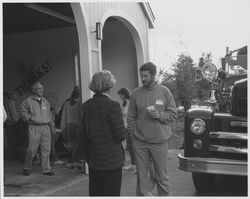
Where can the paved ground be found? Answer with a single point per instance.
(177, 181)
(18, 185)
(69, 182)
(72, 182)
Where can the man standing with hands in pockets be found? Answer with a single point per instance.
(35, 110)
(151, 110)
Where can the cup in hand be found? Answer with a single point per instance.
(150, 108)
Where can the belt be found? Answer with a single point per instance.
(39, 124)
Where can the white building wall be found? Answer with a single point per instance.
(133, 11)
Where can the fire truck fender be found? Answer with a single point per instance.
(200, 112)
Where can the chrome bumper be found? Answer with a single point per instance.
(212, 165)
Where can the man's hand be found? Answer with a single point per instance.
(155, 114)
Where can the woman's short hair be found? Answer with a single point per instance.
(125, 92)
(102, 81)
(149, 66)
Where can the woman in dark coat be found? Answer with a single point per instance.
(105, 128)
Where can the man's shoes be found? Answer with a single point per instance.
(149, 194)
(78, 165)
(71, 165)
(49, 173)
(26, 172)
(58, 162)
(36, 162)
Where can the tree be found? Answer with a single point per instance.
(168, 80)
(182, 81)
(203, 86)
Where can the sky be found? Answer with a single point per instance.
(196, 26)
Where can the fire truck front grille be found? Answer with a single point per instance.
(228, 145)
(239, 102)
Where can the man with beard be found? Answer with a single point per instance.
(151, 110)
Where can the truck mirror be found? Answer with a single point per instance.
(209, 71)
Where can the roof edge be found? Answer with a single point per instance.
(149, 13)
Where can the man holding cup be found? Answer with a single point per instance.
(151, 110)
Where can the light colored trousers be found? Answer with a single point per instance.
(151, 165)
(38, 135)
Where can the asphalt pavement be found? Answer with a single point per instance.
(72, 182)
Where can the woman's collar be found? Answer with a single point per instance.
(106, 94)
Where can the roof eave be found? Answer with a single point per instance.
(149, 13)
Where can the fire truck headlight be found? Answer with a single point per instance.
(198, 126)
(197, 144)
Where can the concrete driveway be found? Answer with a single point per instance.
(72, 182)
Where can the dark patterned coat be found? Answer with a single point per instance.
(106, 131)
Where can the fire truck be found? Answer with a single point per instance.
(215, 136)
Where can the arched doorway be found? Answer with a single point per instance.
(119, 54)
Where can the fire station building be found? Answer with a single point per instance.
(64, 44)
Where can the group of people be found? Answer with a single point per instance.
(97, 132)
(37, 127)
(45, 127)
(143, 120)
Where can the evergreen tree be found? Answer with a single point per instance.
(182, 81)
(203, 86)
